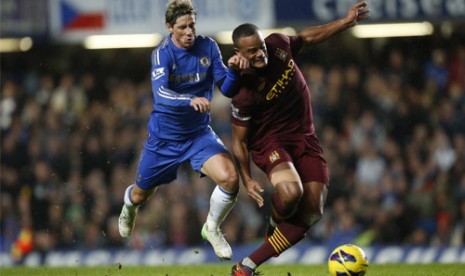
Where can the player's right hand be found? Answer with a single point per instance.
(200, 104)
(238, 62)
(253, 190)
(357, 12)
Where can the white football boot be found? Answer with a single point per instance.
(218, 242)
(126, 221)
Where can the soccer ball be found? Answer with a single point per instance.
(347, 260)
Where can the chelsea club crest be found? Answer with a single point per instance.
(204, 61)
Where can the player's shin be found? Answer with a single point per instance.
(284, 236)
(221, 203)
(128, 214)
(131, 208)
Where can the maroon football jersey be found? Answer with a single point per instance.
(274, 102)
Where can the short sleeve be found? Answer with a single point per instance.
(241, 108)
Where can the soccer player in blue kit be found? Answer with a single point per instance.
(185, 69)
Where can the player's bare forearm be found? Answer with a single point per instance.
(317, 34)
(253, 188)
(241, 158)
(244, 170)
(241, 152)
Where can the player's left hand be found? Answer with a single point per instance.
(357, 12)
(200, 104)
(237, 62)
(253, 190)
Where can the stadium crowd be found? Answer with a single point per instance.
(392, 125)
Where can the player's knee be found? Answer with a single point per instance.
(287, 198)
(138, 199)
(139, 196)
(290, 193)
(229, 181)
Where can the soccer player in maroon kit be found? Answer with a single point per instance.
(272, 122)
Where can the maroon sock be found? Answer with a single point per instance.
(284, 236)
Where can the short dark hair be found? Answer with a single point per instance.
(244, 30)
(178, 8)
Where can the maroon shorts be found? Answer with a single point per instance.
(306, 155)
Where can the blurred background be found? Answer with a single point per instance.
(389, 106)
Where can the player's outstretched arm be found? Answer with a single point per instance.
(229, 86)
(317, 34)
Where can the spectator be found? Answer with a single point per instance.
(68, 100)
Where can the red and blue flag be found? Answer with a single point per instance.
(79, 15)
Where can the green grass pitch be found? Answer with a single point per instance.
(224, 269)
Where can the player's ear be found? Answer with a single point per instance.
(169, 27)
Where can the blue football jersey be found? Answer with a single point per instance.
(178, 75)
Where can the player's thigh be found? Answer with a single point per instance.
(284, 172)
(220, 168)
(312, 168)
(313, 171)
(209, 156)
(277, 164)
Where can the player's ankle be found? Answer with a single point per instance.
(248, 263)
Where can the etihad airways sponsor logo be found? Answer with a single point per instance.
(282, 82)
